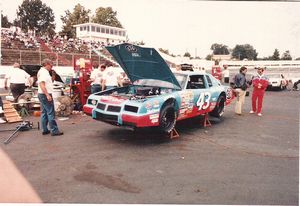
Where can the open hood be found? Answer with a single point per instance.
(143, 64)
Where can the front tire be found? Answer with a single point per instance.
(167, 118)
(220, 107)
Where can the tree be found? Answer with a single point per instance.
(298, 58)
(209, 57)
(245, 51)
(106, 16)
(219, 49)
(4, 22)
(187, 54)
(79, 15)
(286, 55)
(37, 16)
(276, 55)
(165, 51)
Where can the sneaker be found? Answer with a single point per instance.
(2, 121)
(57, 134)
(46, 132)
(1, 110)
(259, 114)
(251, 112)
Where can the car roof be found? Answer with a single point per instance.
(191, 72)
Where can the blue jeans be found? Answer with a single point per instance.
(48, 114)
(95, 88)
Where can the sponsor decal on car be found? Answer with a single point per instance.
(154, 116)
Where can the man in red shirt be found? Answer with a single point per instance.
(260, 83)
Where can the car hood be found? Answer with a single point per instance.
(141, 63)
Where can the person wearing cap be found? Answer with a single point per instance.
(45, 89)
(240, 86)
(260, 83)
(17, 78)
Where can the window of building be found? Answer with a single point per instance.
(102, 30)
(81, 28)
(98, 29)
(93, 28)
(88, 28)
(111, 31)
(107, 30)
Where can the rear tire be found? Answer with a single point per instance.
(219, 108)
(167, 118)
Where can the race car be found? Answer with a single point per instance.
(157, 97)
(277, 81)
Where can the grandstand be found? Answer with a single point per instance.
(17, 46)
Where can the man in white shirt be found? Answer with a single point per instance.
(17, 77)
(111, 78)
(45, 89)
(96, 78)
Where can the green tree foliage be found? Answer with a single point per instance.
(106, 16)
(4, 22)
(35, 15)
(276, 55)
(165, 51)
(79, 15)
(245, 51)
(187, 54)
(209, 57)
(286, 55)
(219, 49)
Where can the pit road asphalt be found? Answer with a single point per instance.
(238, 160)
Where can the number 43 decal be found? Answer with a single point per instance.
(203, 101)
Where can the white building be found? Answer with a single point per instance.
(101, 33)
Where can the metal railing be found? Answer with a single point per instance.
(9, 56)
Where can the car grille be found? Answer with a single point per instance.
(131, 108)
(113, 108)
(101, 106)
(107, 117)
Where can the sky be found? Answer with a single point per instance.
(193, 26)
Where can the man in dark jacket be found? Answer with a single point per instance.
(240, 85)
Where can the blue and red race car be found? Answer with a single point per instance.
(157, 97)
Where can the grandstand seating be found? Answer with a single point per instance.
(29, 49)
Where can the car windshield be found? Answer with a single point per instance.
(155, 82)
(181, 78)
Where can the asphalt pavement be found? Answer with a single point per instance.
(238, 160)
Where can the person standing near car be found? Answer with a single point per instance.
(225, 74)
(45, 89)
(18, 78)
(240, 86)
(260, 83)
(96, 77)
(111, 77)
